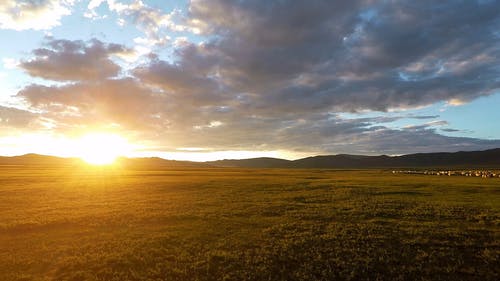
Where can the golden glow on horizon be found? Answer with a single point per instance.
(102, 148)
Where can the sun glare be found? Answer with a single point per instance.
(102, 148)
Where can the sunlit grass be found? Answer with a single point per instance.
(214, 224)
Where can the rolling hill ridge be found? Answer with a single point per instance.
(486, 158)
(462, 159)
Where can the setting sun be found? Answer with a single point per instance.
(102, 148)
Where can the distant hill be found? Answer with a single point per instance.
(487, 158)
(263, 162)
(39, 160)
(470, 159)
(157, 163)
(140, 163)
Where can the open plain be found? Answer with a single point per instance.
(246, 224)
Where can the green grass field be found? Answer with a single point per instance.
(236, 224)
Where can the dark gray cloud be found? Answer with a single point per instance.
(424, 116)
(64, 60)
(181, 83)
(450, 130)
(350, 55)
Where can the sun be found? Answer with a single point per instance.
(101, 148)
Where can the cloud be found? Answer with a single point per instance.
(278, 75)
(153, 22)
(429, 125)
(350, 55)
(9, 63)
(13, 117)
(182, 83)
(404, 141)
(455, 102)
(120, 102)
(450, 130)
(424, 116)
(96, 97)
(37, 15)
(168, 123)
(64, 60)
(320, 135)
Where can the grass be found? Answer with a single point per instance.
(237, 224)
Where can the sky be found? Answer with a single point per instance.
(205, 80)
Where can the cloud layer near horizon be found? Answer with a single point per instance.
(278, 75)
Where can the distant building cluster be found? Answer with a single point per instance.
(470, 173)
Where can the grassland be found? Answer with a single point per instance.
(237, 224)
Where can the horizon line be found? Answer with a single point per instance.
(222, 159)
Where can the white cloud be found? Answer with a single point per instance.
(93, 4)
(10, 63)
(180, 42)
(37, 15)
(437, 123)
(153, 22)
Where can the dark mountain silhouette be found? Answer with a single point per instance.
(341, 161)
(262, 162)
(487, 158)
(470, 159)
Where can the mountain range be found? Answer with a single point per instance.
(470, 159)
(486, 158)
